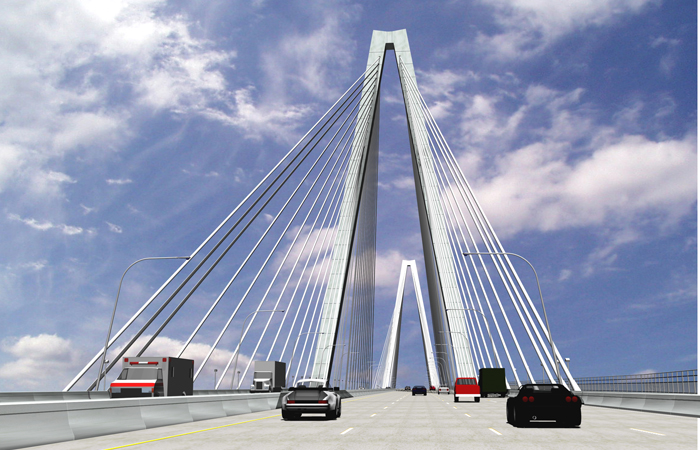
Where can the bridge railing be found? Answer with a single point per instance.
(677, 382)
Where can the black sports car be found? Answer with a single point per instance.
(419, 390)
(541, 403)
(311, 397)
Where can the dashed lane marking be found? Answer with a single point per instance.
(467, 415)
(346, 430)
(645, 431)
(373, 415)
(500, 434)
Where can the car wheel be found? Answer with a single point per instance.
(477, 399)
(509, 414)
(340, 408)
(574, 419)
(426, 394)
(331, 415)
(413, 394)
(456, 399)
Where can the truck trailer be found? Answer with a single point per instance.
(268, 376)
(153, 377)
(492, 382)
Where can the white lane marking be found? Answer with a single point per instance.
(373, 415)
(346, 430)
(467, 415)
(645, 431)
(500, 434)
(454, 407)
(385, 407)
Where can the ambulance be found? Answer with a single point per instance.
(153, 377)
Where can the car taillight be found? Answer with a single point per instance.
(323, 401)
(532, 399)
(525, 399)
(568, 399)
(290, 401)
(574, 399)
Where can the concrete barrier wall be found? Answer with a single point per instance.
(35, 422)
(677, 404)
(25, 424)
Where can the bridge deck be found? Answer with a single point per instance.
(398, 420)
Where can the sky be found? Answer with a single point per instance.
(130, 129)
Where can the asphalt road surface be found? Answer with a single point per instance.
(398, 420)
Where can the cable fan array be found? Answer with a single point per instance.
(473, 233)
(257, 281)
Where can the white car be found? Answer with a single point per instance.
(310, 396)
(443, 389)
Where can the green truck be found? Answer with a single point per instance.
(492, 382)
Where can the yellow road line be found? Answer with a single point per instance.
(467, 415)
(222, 426)
(193, 432)
(346, 430)
(500, 434)
(373, 415)
(645, 431)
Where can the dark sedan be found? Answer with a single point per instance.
(544, 403)
(419, 390)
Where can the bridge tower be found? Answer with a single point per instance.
(445, 303)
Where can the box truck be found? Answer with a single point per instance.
(492, 382)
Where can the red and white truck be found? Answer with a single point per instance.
(153, 377)
(467, 388)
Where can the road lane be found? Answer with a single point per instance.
(396, 419)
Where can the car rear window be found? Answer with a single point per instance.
(542, 388)
(462, 381)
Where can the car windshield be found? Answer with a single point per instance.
(140, 373)
(461, 381)
(418, 387)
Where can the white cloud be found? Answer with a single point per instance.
(118, 181)
(41, 362)
(62, 60)
(114, 228)
(529, 26)
(535, 187)
(45, 226)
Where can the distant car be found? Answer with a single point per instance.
(311, 396)
(445, 389)
(544, 402)
(407, 388)
(467, 388)
(419, 390)
(432, 388)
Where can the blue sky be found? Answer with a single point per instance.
(132, 128)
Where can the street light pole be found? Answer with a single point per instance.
(549, 331)
(111, 322)
(215, 370)
(240, 341)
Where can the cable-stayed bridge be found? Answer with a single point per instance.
(288, 275)
(293, 264)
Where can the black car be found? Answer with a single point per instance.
(537, 403)
(311, 397)
(407, 388)
(419, 390)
